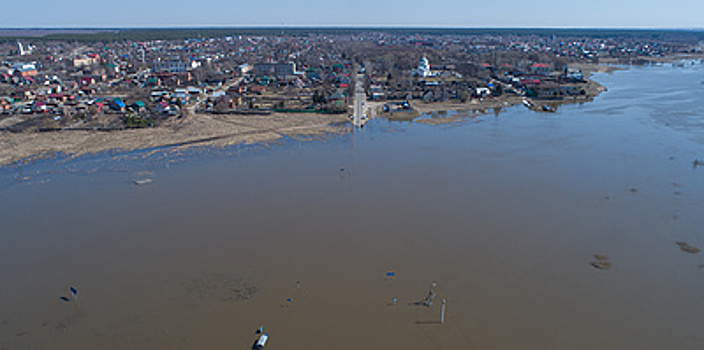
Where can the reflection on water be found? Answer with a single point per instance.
(506, 212)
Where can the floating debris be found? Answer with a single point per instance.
(690, 249)
(239, 294)
(601, 262)
(226, 288)
(685, 247)
(601, 257)
(142, 182)
(601, 265)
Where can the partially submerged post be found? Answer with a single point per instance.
(442, 311)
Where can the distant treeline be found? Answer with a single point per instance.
(147, 34)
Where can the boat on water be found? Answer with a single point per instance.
(261, 342)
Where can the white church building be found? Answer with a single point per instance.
(423, 69)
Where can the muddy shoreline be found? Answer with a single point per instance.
(198, 129)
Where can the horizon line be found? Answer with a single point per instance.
(324, 26)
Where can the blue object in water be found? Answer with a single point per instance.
(74, 291)
(390, 273)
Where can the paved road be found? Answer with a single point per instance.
(359, 101)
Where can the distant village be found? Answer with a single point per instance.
(50, 85)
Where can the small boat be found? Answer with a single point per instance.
(549, 109)
(261, 342)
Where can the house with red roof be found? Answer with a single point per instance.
(4, 105)
(39, 106)
(540, 68)
(57, 97)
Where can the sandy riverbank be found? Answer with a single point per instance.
(198, 129)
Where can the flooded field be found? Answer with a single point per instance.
(579, 229)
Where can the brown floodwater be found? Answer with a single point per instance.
(505, 213)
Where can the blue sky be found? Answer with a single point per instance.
(432, 13)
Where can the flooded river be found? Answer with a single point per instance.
(334, 242)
